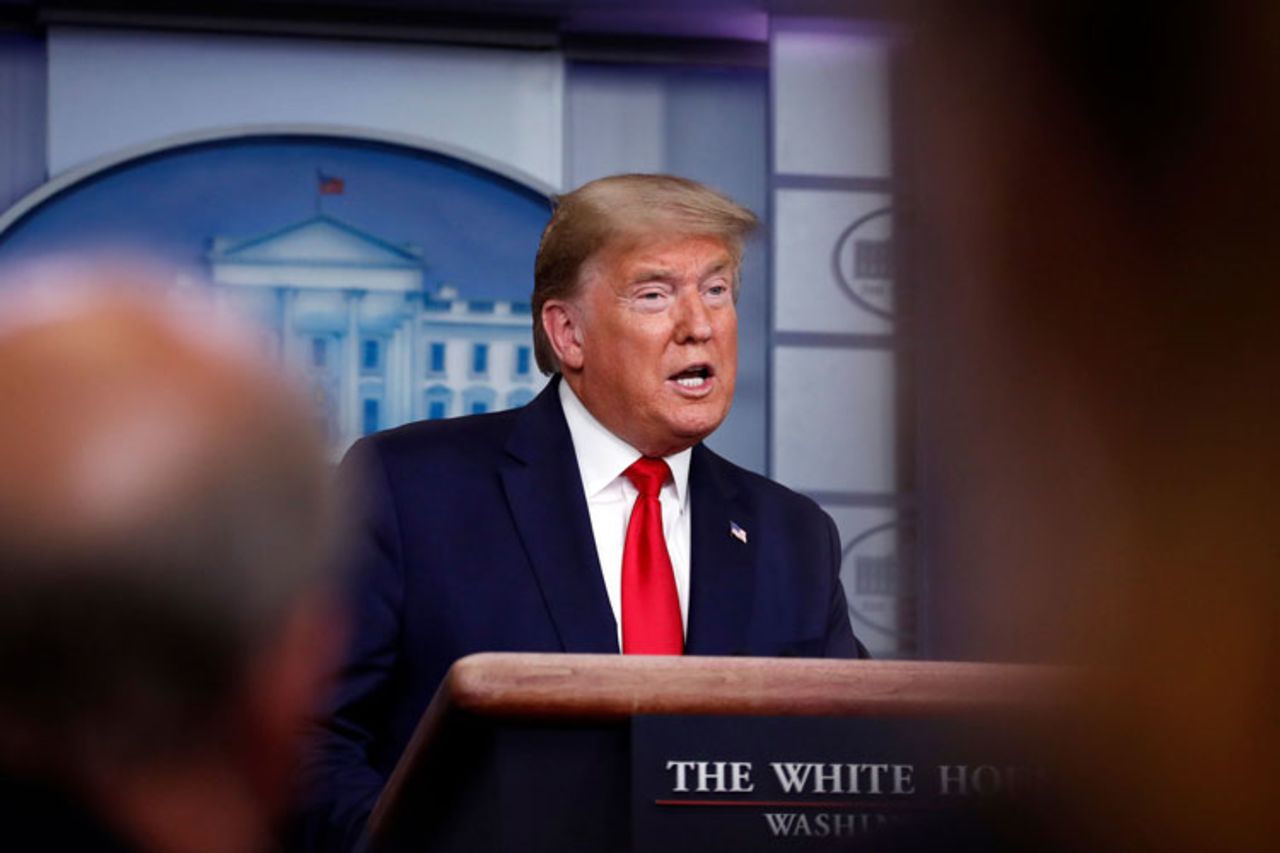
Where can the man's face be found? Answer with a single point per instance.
(658, 332)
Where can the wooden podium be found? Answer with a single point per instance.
(534, 752)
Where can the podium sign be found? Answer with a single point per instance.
(793, 783)
(533, 752)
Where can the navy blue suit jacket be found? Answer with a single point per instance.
(476, 537)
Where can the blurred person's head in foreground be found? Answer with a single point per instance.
(1097, 208)
(164, 556)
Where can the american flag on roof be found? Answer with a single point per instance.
(330, 184)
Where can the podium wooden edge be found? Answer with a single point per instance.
(604, 687)
(575, 687)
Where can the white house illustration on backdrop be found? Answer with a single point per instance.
(352, 312)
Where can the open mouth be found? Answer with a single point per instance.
(694, 376)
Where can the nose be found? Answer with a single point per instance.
(693, 318)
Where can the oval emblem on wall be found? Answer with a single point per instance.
(879, 584)
(863, 262)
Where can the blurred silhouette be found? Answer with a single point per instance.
(1096, 206)
(165, 529)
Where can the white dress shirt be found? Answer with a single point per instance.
(602, 459)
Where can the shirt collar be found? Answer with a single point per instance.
(603, 457)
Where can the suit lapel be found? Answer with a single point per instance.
(723, 571)
(544, 491)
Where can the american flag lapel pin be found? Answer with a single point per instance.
(736, 531)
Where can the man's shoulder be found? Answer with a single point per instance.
(471, 439)
(757, 488)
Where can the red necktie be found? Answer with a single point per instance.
(651, 623)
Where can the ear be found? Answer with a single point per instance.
(562, 321)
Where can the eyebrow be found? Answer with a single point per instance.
(666, 274)
(653, 274)
(722, 265)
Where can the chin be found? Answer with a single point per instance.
(690, 432)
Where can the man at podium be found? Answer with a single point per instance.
(593, 519)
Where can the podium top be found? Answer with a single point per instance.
(604, 687)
